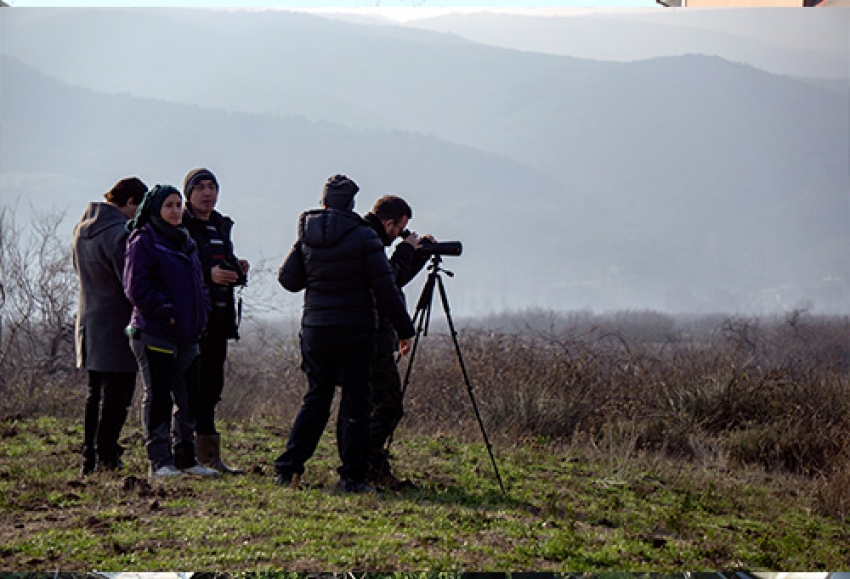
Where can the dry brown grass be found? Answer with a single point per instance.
(738, 392)
(769, 392)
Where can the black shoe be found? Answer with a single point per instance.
(348, 485)
(291, 481)
(87, 468)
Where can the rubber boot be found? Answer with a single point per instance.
(208, 447)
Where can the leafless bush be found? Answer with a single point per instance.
(772, 392)
(37, 370)
(832, 493)
(264, 375)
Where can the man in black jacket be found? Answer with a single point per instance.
(212, 233)
(389, 218)
(340, 262)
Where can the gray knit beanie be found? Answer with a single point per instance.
(339, 192)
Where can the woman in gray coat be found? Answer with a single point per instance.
(102, 314)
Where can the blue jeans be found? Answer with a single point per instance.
(333, 356)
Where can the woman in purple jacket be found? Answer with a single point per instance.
(164, 282)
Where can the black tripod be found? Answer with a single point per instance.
(421, 320)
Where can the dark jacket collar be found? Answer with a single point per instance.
(221, 222)
(376, 224)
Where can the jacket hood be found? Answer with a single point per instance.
(99, 217)
(326, 227)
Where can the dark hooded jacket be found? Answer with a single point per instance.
(103, 310)
(340, 261)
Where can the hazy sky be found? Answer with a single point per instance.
(418, 4)
(649, 270)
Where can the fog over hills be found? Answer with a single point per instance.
(788, 42)
(683, 182)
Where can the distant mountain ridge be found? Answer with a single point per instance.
(644, 35)
(674, 182)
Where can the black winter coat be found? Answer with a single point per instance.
(405, 262)
(222, 321)
(340, 262)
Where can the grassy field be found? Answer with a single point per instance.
(627, 441)
(566, 509)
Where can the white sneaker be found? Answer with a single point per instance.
(201, 470)
(166, 471)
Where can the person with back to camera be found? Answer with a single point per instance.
(389, 218)
(339, 261)
(164, 282)
(102, 313)
(211, 231)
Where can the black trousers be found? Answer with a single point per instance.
(109, 398)
(333, 356)
(386, 409)
(168, 410)
(211, 368)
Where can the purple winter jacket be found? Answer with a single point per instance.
(166, 288)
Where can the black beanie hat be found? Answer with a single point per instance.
(339, 192)
(192, 178)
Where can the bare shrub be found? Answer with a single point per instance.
(436, 397)
(263, 373)
(768, 392)
(771, 392)
(832, 492)
(539, 386)
(37, 362)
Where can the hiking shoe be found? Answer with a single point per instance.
(167, 471)
(292, 481)
(87, 468)
(348, 485)
(201, 470)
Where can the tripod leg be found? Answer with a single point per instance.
(445, 301)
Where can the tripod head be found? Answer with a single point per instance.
(426, 297)
(435, 268)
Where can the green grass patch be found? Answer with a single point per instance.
(564, 510)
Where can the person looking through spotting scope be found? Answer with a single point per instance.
(339, 262)
(389, 218)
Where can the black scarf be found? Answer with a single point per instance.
(148, 211)
(177, 237)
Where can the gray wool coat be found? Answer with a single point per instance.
(103, 311)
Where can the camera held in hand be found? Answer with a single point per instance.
(232, 264)
(437, 247)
